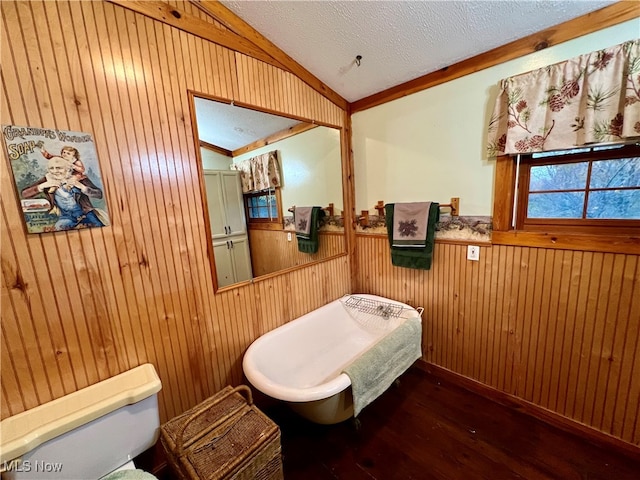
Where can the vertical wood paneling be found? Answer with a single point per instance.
(255, 87)
(626, 348)
(578, 334)
(511, 349)
(555, 327)
(592, 317)
(80, 306)
(272, 252)
(572, 324)
(519, 334)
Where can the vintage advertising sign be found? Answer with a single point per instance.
(57, 177)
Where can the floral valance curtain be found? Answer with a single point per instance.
(261, 172)
(594, 98)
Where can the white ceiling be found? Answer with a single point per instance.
(399, 40)
(231, 127)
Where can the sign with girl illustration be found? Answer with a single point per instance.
(57, 177)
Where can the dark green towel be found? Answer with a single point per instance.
(413, 257)
(310, 245)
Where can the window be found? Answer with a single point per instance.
(586, 190)
(264, 209)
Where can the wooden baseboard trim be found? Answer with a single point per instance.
(552, 418)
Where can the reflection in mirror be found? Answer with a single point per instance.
(251, 220)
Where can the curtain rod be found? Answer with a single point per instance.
(586, 147)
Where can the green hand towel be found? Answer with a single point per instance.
(377, 368)
(129, 475)
(311, 244)
(418, 258)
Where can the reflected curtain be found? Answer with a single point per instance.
(261, 172)
(593, 98)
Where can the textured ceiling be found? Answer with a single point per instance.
(398, 40)
(231, 127)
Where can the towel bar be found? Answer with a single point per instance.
(454, 206)
(328, 209)
(363, 219)
(380, 208)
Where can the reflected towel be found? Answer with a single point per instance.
(302, 221)
(377, 368)
(414, 257)
(410, 224)
(309, 242)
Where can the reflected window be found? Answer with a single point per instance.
(263, 207)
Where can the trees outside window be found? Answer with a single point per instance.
(263, 208)
(582, 190)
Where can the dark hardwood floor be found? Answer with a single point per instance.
(427, 429)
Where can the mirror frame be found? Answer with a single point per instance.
(347, 189)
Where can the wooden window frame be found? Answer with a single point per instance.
(264, 223)
(617, 236)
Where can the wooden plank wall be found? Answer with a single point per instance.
(558, 328)
(81, 306)
(271, 251)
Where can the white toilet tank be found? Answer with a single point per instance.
(86, 434)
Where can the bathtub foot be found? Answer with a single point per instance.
(356, 423)
(396, 382)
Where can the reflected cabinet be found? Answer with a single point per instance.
(228, 226)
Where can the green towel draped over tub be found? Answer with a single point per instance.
(130, 475)
(376, 369)
(413, 257)
(309, 243)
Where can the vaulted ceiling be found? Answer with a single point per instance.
(362, 49)
(398, 40)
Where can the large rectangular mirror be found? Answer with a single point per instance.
(251, 220)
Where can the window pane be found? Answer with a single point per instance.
(619, 204)
(274, 211)
(262, 200)
(559, 177)
(263, 212)
(619, 172)
(555, 205)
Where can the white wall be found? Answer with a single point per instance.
(311, 168)
(212, 160)
(430, 146)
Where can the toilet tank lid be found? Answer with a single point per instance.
(23, 432)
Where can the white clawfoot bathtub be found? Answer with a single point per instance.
(302, 361)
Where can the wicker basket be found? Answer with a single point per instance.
(225, 437)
